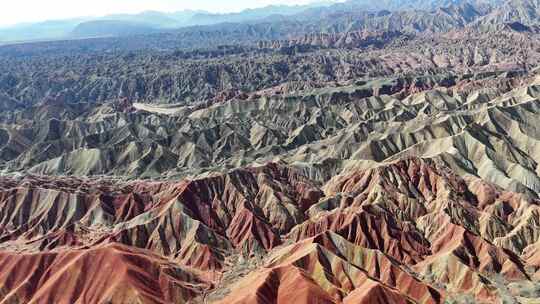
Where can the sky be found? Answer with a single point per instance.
(19, 11)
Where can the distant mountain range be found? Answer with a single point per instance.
(154, 21)
(195, 28)
(142, 23)
(200, 29)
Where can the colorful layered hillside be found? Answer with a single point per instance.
(347, 152)
(409, 231)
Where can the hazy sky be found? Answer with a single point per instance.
(17, 11)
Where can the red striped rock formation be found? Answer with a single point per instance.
(405, 232)
(105, 274)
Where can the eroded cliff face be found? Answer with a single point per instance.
(410, 231)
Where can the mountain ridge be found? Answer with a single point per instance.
(340, 154)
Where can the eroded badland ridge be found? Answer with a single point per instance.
(348, 153)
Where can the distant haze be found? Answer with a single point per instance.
(21, 11)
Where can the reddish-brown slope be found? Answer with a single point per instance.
(279, 285)
(375, 293)
(106, 274)
(406, 232)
